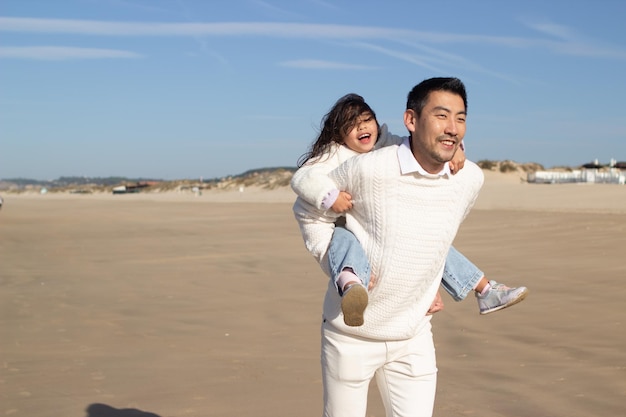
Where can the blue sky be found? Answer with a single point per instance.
(191, 88)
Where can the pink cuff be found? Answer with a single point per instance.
(330, 199)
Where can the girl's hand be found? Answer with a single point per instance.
(343, 203)
(458, 160)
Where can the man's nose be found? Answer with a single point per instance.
(452, 128)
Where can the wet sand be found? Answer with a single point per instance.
(179, 305)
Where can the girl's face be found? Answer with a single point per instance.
(363, 135)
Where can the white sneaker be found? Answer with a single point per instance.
(500, 296)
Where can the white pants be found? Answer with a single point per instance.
(405, 370)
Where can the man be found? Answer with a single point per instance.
(407, 208)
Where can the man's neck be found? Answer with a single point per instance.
(428, 165)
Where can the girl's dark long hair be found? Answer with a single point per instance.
(336, 124)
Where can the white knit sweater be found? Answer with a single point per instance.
(406, 224)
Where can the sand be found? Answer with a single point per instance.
(176, 305)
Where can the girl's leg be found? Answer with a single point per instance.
(460, 276)
(350, 271)
(345, 252)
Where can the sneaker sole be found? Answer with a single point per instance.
(509, 304)
(353, 304)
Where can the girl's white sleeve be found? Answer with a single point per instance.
(311, 181)
(316, 227)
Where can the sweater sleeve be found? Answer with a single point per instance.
(386, 138)
(317, 228)
(311, 181)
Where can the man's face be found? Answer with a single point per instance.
(363, 135)
(438, 131)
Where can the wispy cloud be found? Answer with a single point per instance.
(434, 58)
(52, 53)
(421, 61)
(205, 49)
(276, 12)
(325, 4)
(551, 29)
(267, 29)
(568, 42)
(131, 5)
(106, 28)
(321, 64)
(556, 38)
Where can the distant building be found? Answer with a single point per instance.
(589, 173)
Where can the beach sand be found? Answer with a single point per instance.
(176, 305)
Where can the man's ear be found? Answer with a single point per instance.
(410, 120)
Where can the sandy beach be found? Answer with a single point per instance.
(174, 305)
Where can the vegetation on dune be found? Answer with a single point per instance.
(266, 178)
(508, 166)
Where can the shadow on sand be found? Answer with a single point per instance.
(103, 410)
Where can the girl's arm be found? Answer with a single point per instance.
(386, 138)
(317, 229)
(458, 161)
(317, 226)
(312, 184)
(311, 181)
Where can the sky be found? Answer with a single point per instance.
(182, 89)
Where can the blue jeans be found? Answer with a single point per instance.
(345, 251)
(460, 276)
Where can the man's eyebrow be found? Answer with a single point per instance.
(447, 110)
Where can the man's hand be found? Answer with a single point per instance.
(372, 283)
(436, 306)
(343, 203)
(458, 160)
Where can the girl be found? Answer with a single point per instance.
(348, 129)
